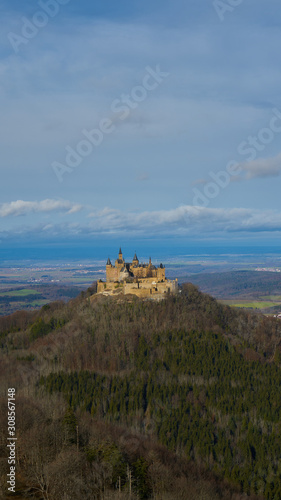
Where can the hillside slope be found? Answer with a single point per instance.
(176, 399)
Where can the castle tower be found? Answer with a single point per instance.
(119, 263)
(161, 273)
(135, 260)
(109, 271)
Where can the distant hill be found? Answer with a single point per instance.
(118, 399)
(238, 283)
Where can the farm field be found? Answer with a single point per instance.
(248, 304)
(20, 292)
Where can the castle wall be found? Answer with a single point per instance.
(161, 273)
(147, 288)
(139, 292)
(108, 286)
(151, 289)
(143, 272)
(119, 265)
(112, 274)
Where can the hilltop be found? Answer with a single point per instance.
(172, 400)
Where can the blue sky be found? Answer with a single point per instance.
(203, 81)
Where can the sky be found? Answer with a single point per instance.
(132, 120)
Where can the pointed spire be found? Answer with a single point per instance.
(108, 262)
(135, 256)
(120, 251)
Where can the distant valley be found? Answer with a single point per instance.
(251, 289)
(31, 287)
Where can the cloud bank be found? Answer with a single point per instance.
(187, 220)
(20, 207)
(182, 221)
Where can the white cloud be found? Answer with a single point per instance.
(20, 207)
(262, 167)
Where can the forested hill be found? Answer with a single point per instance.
(178, 399)
(239, 283)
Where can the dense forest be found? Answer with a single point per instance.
(177, 399)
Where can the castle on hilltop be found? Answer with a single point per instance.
(143, 280)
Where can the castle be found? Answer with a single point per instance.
(143, 280)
